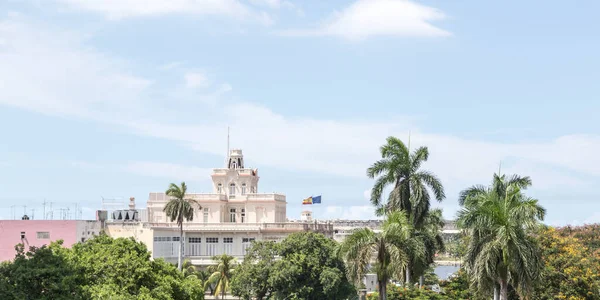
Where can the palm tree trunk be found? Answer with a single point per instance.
(503, 290)
(180, 256)
(223, 292)
(421, 280)
(382, 289)
(496, 292)
(407, 276)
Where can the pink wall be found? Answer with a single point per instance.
(10, 234)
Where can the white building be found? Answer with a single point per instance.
(232, 216)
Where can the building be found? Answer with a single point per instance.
(227, 220)
(41, 232)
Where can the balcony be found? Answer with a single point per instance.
(242, 227)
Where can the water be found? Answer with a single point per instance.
(443, 272)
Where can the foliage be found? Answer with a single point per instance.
(411, 186)
(457, 286)
(100, 268)
(38, 274)
(178, 209)
(400, 169)
(309, 268)
(401, 293)
(251, 279)
(501, 250)
(571, 267)
(388, 248)
(221, 274)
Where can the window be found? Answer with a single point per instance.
(43, 235)
(166, 246)
(232, 215)
(194, 246)
(243, 189)
(243, 215)
(232, 189)
(228, 245)
(82, 240)
(205, 215)
(246, 243)
(176, 239)
(212, 245)
(219, 188)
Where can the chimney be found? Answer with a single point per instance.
(131, 203)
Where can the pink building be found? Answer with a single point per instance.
(42, 232)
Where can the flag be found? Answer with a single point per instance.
(307, 201)
(316, 200)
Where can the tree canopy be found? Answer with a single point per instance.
(100, 268)
(306, 267)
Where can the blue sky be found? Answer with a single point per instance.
(120, 98)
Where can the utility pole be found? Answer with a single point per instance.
(32, 213)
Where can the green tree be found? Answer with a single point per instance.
(430, 236)
(498, 220)
(39, 273)
(400, 169)
(100, 268)
(411, 186)
(251, 278)
(178, 209)
(308, 268)
(221, 274)
(388, 248)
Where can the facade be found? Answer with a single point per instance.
(41, 232)
(227, 220)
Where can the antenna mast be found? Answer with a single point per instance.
(227, 155)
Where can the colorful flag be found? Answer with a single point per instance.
(307, 201)
(316, 199)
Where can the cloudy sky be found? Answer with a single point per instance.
(119, 98)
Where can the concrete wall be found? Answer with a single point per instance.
(10, 234)
(135, 230)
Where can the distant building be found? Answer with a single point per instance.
(41, 232)
(233, 215)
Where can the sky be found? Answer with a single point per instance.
(118, 98)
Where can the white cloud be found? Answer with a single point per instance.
(119, 9)
(366, 18)
(196, 80)
(168, 170)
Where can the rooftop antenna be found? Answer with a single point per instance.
(499, 168)
(227, 156)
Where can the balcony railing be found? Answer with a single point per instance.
(162, 198)
(284, 227)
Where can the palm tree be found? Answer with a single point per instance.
(429, 235)
(410, 190)
(387, 247)
(498, 220)
(221, 274)
(179, 208)
(410, 186)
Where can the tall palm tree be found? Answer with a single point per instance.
(387, 247)
(410, 186)
(221, 274)
(180, 208)
(498, 220)
(400, 169)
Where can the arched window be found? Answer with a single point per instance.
(243, 189)
(232, 189)
(219, 188)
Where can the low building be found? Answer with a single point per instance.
(36, 233)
